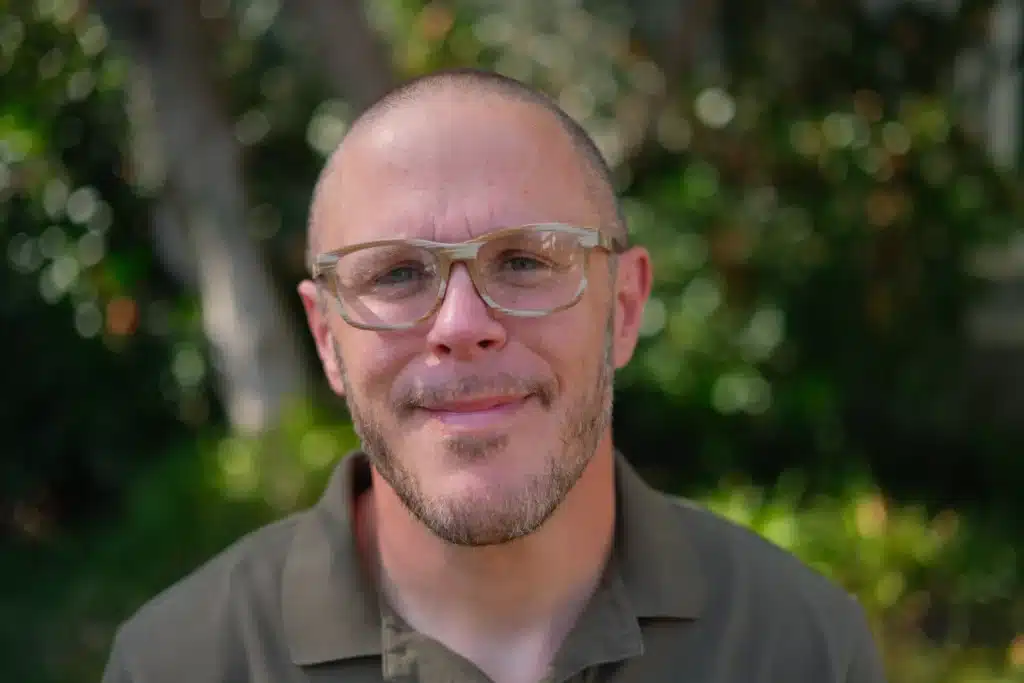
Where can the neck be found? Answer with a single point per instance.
(529, 591)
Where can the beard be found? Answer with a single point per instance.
(510, 513)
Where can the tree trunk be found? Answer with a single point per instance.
(256, 353)
(355, 61)
(992, 84)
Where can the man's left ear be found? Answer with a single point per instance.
(633, 282)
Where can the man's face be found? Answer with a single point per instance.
(480, 422)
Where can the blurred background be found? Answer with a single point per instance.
(834, 355)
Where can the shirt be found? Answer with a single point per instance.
(686, 596)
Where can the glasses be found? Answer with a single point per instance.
(527, 271)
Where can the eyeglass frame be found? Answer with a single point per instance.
(448, 254)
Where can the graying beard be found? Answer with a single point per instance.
(548, 489)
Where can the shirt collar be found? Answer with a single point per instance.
(660, 567)
(331, 611)
(328, 602)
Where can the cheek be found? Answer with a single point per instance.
(371, 365)
(572, 346)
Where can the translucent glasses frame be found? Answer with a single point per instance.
(526, 271)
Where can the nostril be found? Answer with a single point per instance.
(486, 343)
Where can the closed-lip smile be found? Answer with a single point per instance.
(476, 412)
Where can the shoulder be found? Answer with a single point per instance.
(775, 600)
(249, 565)
(735, 553)
(199, 616)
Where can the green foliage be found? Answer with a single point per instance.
(812, 276)
(812, 246)
(91, 389)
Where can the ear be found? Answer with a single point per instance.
(315, 302)
(632, 290)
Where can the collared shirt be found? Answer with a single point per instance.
(686, 596)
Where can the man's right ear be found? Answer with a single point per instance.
(315, 305)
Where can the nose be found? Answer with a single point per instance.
(464, 326)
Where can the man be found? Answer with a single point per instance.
(472, 294)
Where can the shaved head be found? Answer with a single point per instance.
(467, 82)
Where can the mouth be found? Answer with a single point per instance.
(477, 413)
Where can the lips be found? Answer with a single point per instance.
(474, 405)
(482, 412)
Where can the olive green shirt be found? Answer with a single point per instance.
(686, 596)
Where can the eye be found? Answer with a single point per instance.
(522, 262)
(401, 274)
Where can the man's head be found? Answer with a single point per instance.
(448, 158)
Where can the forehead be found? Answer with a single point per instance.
(451, 168)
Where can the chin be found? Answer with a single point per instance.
(484, 474)
(479, 465)
(498, 474)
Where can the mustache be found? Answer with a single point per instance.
(472, 386)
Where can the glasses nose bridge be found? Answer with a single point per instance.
(465, 253)
(462, 253)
